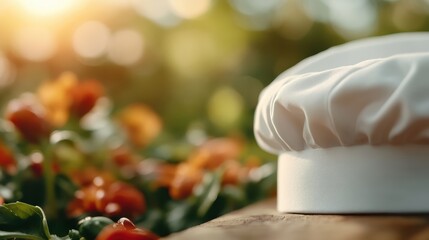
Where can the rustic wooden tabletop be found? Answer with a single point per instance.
(262, 221)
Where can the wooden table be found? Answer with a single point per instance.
(262, 221)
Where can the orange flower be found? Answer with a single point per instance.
(55, 97)
(234, 173)
(28, 119)
(214, 152)
(66, 95)
(7, 160)
(186, 178)
(162, 174)
(91, 175)
(166, 174)
(123, 156)
(141, 124)
(110, 199)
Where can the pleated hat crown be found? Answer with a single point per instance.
(373, 91)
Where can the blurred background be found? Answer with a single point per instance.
(198, 63)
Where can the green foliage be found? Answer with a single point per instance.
(207, 192)
(23, 221)
(209, 200)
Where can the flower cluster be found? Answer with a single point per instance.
(65, 149)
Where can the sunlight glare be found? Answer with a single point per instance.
(35, 44)
(158, 11)
(91, 39)
(47, 7)
(6, 71)
(190, 9)
(126, 47)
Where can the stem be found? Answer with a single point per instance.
(49, 180)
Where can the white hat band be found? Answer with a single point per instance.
(358, 179)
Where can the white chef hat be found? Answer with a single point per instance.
(351, 128)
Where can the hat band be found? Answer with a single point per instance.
(357, 179)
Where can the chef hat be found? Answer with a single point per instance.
(351, 128)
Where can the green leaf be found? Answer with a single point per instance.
(234, 195)
(208, 191)
(64, 190)
(263, 183)
(24, 221)
(180, 215)
(18, 235)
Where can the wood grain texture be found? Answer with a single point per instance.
(262, 221)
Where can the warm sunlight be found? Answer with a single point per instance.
(46, 7)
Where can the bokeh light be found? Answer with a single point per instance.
(191, 53)
(189, 9)
(90, 40)
(159, 11)
(254, 7)
(47, 7)
(292, 21)
(118, 4)
(258, 15)
(125, 47)
(353, 18)
(317, 10)
(226, 108)
(35, 43)
(6, 71)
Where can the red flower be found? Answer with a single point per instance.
(123, 156)
(7, 160)
(31, 126)
(109, 199)
(28, 119)
(36, 164)
(84, 96)
(123, 200)
(125, 229)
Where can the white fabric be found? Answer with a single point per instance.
(358, 179)
(368, 92)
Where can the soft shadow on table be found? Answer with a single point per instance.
(262, 221)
